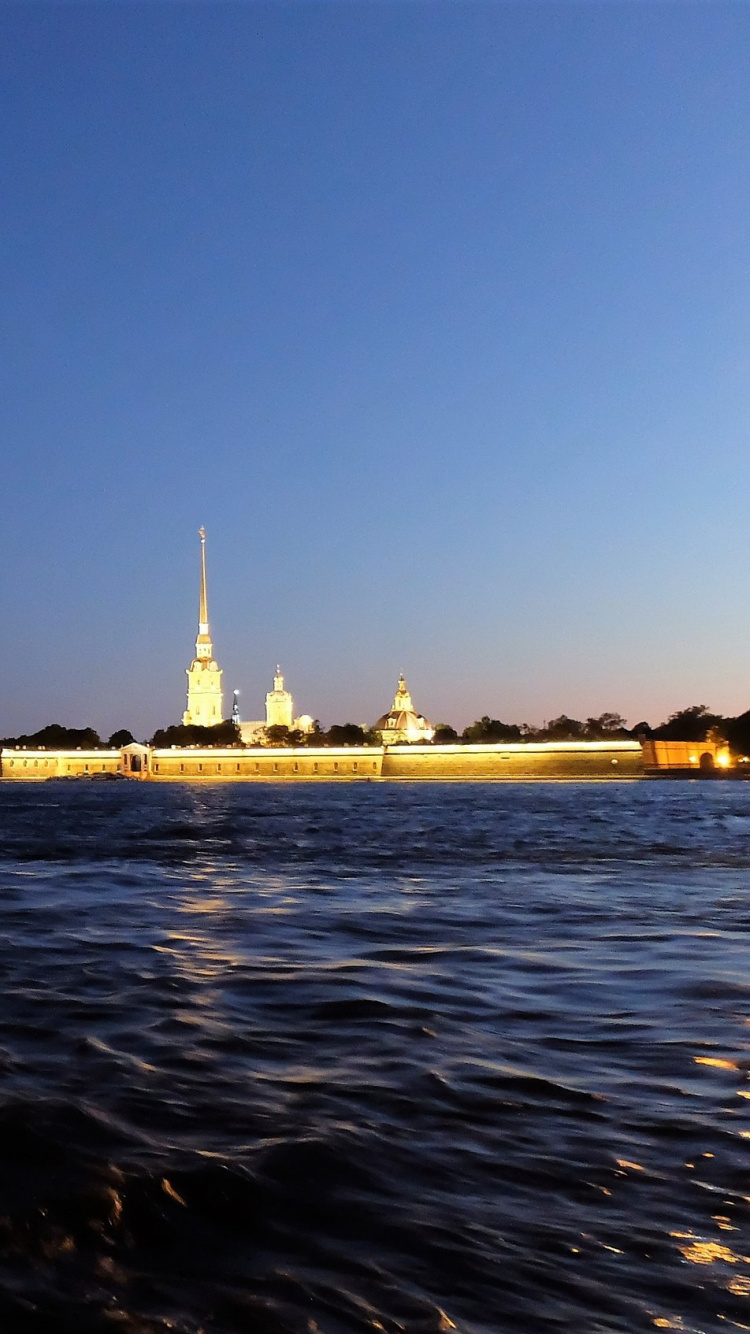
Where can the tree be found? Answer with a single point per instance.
(565, 729)
(641, 729)
(692, 724)
(445, 735)
(315, 737)
(350, 734)
(277, 734)
(224, 734)
(606, 725)
(738, 733)
(57, 737)
(487, 730)
(120, 739)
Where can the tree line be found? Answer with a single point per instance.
(696, 723)
(57, 737)
(228, 734)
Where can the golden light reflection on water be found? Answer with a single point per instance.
(169, 1190)
(716, 1061)
(708, 1252)
(739, 1285)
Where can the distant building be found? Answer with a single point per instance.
(279, 713)
(686, 757)
(402, 722)
(204, 698)
(279, 704)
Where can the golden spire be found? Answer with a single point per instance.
(203, 612)
(203, 647)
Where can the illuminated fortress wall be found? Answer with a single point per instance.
(619, 759)
(553, 760)
(593, 759)
(40, 764)
(268, 763)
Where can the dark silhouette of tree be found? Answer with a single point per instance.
(277, 735)
(691, 724)
(738, 733)
(488, 730)
(315, 737)
(641, 729)
(565, 729)
(445, 735)
(223, 734)
(57, 737)
(605, 726)
(120, 739)
(349, 734)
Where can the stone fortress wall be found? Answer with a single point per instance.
(41, 764)
(518, 762)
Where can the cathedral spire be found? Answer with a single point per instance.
(203, 646)
(204, 697)
(203, 612)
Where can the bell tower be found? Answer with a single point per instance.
(402, 698)
(279, 704)
(204, 698)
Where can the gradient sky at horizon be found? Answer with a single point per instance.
(434, 314)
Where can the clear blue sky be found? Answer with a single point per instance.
(436, 315)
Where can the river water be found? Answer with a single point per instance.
(374, 1058)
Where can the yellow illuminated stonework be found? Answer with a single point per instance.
(279, 704)
(279, 713)
(204, 697)
(489, 763)
(402, 722)
(687, 756)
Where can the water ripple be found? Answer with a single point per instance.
(380, 1058)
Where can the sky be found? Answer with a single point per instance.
(435, 315)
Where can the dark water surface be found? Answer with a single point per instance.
(374, 1058)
